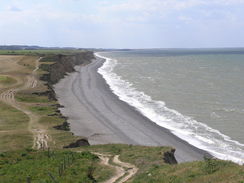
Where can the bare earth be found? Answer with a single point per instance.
(96, 113)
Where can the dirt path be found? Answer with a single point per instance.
(39, 134)
(123, 171)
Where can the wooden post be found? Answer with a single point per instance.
(48, 152)
(28, 179)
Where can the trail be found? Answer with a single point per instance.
(40, 135)
(123, 171)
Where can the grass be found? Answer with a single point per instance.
(153, 169)
(142, 156)
(14, 124)
(193, 172)
(6, 80)
(38, 165)
(47, 166)
(13, 127)
(12, 118)
(38, 52)
(14, 140)
(28, 62)
(31, 98)
(43, 109)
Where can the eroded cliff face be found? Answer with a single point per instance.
(64, 64)
(169, 157)
(61, 65)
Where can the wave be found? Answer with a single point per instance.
(195, 133)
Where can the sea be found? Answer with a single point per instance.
(198, 94)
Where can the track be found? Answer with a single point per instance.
(40, 135)
(123, 171)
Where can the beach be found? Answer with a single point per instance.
(96, 113)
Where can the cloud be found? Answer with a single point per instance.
(14, 8)
(165, 5)
(121, 21)
(227, 2)
(185, 19)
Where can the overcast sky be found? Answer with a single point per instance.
(123, 23)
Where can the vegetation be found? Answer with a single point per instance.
(153, 169)
(13, 125)
(81, 165)
(6, 80)
(51, 166)
(38, 52)
(31, 98)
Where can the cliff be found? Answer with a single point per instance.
(57, 66)
(61, 65)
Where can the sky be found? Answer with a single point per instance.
(123, 23)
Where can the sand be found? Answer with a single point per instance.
(94, 112)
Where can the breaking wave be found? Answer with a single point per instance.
(195, 133)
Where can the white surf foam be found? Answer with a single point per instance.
(192, 131)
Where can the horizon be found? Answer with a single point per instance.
(70, 47)
(127, 24)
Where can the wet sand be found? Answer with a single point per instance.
(94, 112)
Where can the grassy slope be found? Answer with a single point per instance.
(6, 80)
(14, 134)
(14, 131)
(149, 160)
(46, 108)
(44, 166)
(152, 168)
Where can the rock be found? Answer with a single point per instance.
(169, 157)
(65, 126)
(78, 143)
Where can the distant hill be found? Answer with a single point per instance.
(25, 47)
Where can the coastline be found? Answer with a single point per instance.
(94, 112)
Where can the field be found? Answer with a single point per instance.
(27, 119)
(38, 52)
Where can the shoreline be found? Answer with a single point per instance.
(96, 113)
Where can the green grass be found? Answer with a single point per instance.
(142, 156)
(41, 166)
(38, 52)
(13, 124)
(31, 98)
(193, 172)
(15, 140)
(43, 110)
(153, 169)
(11, 118)
(6, 80)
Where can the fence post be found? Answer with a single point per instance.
(48, 152)
(28, 179)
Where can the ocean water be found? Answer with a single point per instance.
(197, 94)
